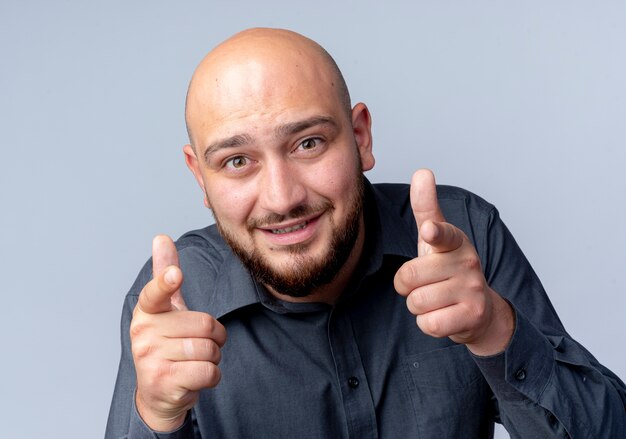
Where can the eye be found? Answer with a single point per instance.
(236, 162)
(310, 143)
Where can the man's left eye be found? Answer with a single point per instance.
(309, 143)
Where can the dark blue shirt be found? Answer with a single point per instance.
(362, 368)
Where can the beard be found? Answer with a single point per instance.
(304, 274)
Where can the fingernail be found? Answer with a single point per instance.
(170, 276)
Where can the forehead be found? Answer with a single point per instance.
(260, 92)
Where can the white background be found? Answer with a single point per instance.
(521, 103)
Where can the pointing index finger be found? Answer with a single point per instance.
(425, 206)
(162, 294)
(424, 197)
(441, 237)
(164, 254)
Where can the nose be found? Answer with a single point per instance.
(282, 187)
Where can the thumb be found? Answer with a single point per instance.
(425, 206)
(164, 293)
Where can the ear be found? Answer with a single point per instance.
(362, 129)
(194, 166)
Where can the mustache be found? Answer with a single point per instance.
(297, 212)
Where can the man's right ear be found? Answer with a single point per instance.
(194, 166)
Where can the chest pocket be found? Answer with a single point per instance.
(450, 397)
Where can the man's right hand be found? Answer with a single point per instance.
(176, 351)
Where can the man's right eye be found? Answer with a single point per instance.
(237, 162)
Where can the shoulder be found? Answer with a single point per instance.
(453, 200)
(204, 246)
(466, 210)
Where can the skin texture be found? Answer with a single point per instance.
(275, 147)
(292, 146)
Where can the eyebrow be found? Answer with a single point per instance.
(285, 130)
(230, 142)
(295, 127)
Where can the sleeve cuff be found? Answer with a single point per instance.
(524, 368)
(139, 430)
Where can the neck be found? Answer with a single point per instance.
(330, 292)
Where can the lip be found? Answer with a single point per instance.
(297, 236)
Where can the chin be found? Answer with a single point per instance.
(302, 269)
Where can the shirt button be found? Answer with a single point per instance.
(353, 382)
(520, 375)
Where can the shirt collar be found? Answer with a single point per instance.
(389, 218)
(234, 287)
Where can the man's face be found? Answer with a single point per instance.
(281, 165)
(303, 269)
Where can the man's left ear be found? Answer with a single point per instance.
(362, 129)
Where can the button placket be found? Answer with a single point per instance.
(357, 401)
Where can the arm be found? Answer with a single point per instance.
(124, 421)
(544, 375)
(168, 354)
(546, 384)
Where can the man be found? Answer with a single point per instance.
(312, 273)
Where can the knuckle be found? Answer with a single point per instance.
(153, 374)
(479, 310)
(476, 314)
(142, 349)
(206, 323)
(412, 273)
(163, 370)
(432, 326)
(138, 328)
(178, 398)
(221, 335)
(212, 375)
(182, 398)
(436, 328)
(145, 297)
(475, 284)
(405, 277)
(418, 300)
(213, 351)
(423, 297)
(471, 262)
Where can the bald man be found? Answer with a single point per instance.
(320, 305)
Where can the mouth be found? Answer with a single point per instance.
(290, 229)
(296, 231)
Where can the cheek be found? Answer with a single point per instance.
(231, 204)
(336, 179)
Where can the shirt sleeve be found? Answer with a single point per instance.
(139, 430)
(546, 384)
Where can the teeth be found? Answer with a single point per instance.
(289, 229)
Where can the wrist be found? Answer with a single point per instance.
(155, 421)
(500, 330)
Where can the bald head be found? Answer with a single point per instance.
(259, 67)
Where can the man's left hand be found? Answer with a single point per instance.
(445, 286)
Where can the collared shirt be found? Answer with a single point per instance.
(362, 368)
